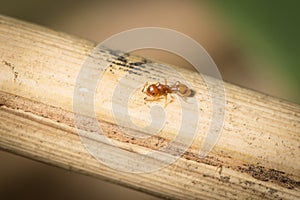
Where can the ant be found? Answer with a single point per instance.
(157, 90)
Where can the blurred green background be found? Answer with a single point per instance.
(269, 31)
(255, 44)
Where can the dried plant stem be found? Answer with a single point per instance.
(257, 155)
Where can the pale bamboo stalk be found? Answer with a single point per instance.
(258, 150)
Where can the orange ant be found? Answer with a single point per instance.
(157, 90)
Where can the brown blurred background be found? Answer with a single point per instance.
(255, 44)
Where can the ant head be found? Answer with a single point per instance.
(150, 90)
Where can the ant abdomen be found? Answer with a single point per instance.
(181, 89)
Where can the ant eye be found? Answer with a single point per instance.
(153, 93)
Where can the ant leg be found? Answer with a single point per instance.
(172, 98)
(153, 99)
(184, 99)
(143, 90)
(166, 101)
(156, 99)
